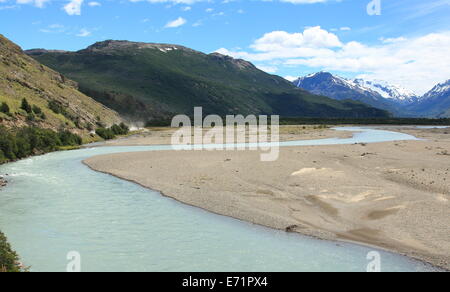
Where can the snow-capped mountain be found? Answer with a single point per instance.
(436, 102)
(327, 84)
(399, 101)
(390, 91)
(442, 90)
(368, 87)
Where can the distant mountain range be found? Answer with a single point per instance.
(436, 102)
(146, 81)
(401, 102)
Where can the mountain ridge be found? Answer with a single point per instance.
(380, 94)
(436, 102)
(145, 81)
(333, 86)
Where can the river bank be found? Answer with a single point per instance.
(393, 195)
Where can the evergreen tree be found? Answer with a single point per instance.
(4, 108)
(26, 106)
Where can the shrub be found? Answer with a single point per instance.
(37, 110)
(111, 133)
(121, 129)
(31, 117)
(69, 139)
(8, 258)
(56, 107)
(4, 108)
(28, 141)
(106, 134)
(26, 106)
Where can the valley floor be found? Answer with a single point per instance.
(393, 195)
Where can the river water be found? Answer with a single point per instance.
(54, 204)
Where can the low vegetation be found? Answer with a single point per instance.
(9, 260)
(365, 121)
(24, 142)
(113, 131)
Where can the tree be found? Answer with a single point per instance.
(56, 107)
(125, 128)
(26, 106)
(106, 134)
(8, 258)
(37, 110)
(4, 108)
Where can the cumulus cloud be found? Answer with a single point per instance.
(180, 21)
(313, 37)
(416, 63)
(73, 7)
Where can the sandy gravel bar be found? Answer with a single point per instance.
(393, 195)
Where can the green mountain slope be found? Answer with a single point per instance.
(150, 81)
(55, 100)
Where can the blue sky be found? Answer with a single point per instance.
(408, 44)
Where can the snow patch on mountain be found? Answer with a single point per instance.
(389, 91)
(376, 88)
(439, 90)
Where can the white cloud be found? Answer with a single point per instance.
(209, 10)
(190, 2)
(54, 28)
(313, 37)
(417, 63)
(393, 40)
(94, 4)
(37, 3)
(304, 1)
(290, 78)
(268, 69)
(197, 23)
(176, 23)
(187, 8)
(73, 7)
(187, 2)
(8, 7)
(84, 33)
